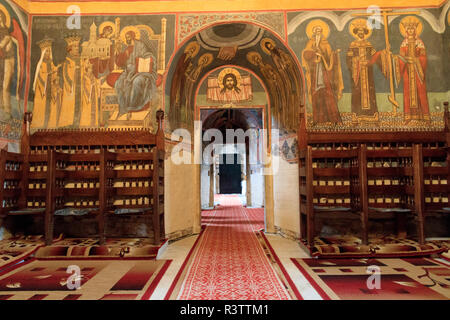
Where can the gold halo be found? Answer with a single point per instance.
(196, 48)
(252, 54)
(129, 28)
(105, 24)
(263, 44)
(411, 18)
(144, 27)
(7, 16)
(319, 23)
(359, 23)
(227, 71)
(209, 58)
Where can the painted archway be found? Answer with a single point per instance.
(242, 44)
(249, 47)
(231, 97)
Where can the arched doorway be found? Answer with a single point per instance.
(235, 166)
(242, 46)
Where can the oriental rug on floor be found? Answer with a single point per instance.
(228, 262)
(84, 279)
(370, 279)
(81, 248)
(17, 248)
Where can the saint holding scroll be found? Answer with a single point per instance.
(323, 74)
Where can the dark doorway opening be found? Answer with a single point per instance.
(230, 174)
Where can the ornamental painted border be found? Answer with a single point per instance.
(189, 24)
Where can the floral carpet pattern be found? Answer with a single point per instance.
(84, 279)
(372, 279)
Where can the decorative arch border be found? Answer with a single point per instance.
(189, 24)
(340, 21)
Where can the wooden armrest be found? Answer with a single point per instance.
(27, 211)
(76, 211)
(388, 209)
(332, 209)
(134, 156)
(335, 154)
(131, 211)
(437, 212)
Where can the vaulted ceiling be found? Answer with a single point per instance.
(236, 44)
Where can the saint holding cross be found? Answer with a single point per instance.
(410, 66)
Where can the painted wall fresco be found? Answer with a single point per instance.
(446, 52)
(231, 86)
(287, 147)
(13, 44)
(191, 23)
(108, 73)
(242, 90)
(363, 76)
(348, 74)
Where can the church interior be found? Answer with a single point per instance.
(224, 150)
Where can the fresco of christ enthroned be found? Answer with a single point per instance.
(129, 63)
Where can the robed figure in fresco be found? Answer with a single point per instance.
(286, 69)
(47, 90)
(12, 55)
(71, 73)
(273, 81)
(411, 66)
(89, 98)
(136, 86)
(323, 74)
(192, 75)
(179, 81)
(102, 66)
(361, 56)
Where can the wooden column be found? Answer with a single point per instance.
(211, 185)
(2, 181)
(103, 195)
(301, 144)
(25, 151)
(447, 142)
(310, 226)
(50, 197)
(158, 179)
(419, 200)
(248, 175)
(362, 163)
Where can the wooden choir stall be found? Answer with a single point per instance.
(369, 176)
(100, 173)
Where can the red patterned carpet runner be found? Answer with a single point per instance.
(229, 263)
